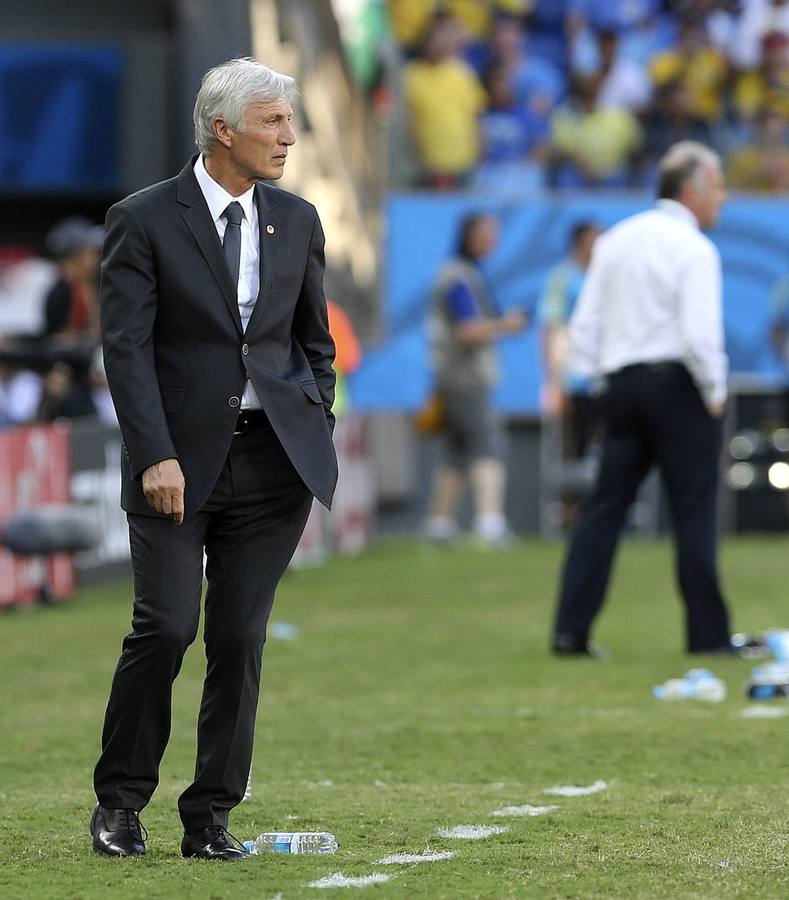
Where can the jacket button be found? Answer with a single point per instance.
(245, 349)
(234, 402)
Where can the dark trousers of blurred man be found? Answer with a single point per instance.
(654, 416)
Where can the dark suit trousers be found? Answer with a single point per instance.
(653, 415)
(249, 528)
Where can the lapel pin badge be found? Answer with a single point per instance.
(270, 229)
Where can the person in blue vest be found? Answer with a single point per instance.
(465, 324)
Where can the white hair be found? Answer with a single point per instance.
(683, 162)
(227, 90)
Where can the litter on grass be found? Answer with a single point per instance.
(572, 790)
(340, 880)
(774, 641)
(768, 681)
(471, 832)
(695, 684)
(401, 858)
(283, 631)
(525, 810)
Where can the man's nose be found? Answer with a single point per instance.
(288, 135)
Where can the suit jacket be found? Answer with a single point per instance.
(176, 356)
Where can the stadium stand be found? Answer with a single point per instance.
(589, 92)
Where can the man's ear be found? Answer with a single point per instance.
(222, 132)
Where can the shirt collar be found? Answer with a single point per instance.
(677, 210)
(217, 197)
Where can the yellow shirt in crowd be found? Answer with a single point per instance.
(410, 18)
(751, 168)
(445, 101)
(704, 72)
(601, 141)
(754, 95)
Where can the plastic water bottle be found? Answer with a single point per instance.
(773, 642)
(293, 842)
(777, 640)
(750, 646)
(697, 684)
(768, 681)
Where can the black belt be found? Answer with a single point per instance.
(664, 366)
(250, 418)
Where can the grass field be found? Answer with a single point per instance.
(420, 696)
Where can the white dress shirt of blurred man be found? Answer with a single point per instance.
(649, 323)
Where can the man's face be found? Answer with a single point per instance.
(260, 150)
(709, 197)
(585, 245)
(484, 236)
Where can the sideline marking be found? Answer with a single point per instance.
(398, 858)
(572, 790)
(525, 810)
(471, 832)
(763, 712)
(337, 879)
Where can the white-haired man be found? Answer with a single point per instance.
(218, 357)
(649, 321)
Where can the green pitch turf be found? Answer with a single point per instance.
(420, 696)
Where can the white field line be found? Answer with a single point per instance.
(396, 859)
(764, 712)
(471, 832)
(572, 790)
(525, 810)
(339, 880)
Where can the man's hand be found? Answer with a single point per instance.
(553, 399)
(163, 485)
(513, 321)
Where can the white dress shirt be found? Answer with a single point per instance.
(652, 293)
(248, 286)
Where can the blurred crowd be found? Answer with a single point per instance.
(50, 361)
(590, 93)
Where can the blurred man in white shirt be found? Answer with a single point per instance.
(649, 323)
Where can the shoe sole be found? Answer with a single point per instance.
(101, 852)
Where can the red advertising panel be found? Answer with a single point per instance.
(34, 470)
(351, 521)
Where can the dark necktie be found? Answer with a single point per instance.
(232, 240)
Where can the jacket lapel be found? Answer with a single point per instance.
(198, 220)
(269, 240)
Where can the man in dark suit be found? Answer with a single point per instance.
(219, 360)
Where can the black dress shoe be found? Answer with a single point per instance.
(117, 832)
(568, 645)
(213, 842)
